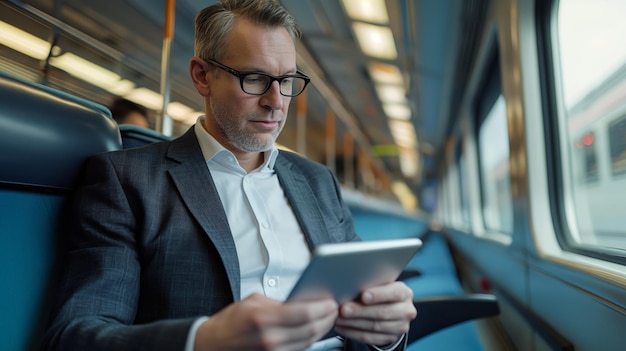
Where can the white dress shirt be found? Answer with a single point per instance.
(271, 247)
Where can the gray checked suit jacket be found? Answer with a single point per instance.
(151, 249)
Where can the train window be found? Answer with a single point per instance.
(448, 193)
(462, 178)
(493, 154)
(493, 145)
(455, 196)
(590, 66)
(443, 202)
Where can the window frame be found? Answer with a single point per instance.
(550, 86)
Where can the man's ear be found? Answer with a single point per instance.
(198, 72)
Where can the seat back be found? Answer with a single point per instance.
(46, 137)
(135, 136)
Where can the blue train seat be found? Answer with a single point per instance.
(47, 134)
(135, 136)
(446, 313)
(439, 274)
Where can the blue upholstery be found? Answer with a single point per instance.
(135, 136)
(36, 121)
(439, 278)
(438, 293)
(46, 137)
(463, 336)
(372, 225)
(60, 94)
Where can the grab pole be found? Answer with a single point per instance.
(164, 124)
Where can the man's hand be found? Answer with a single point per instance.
(260, 323)
(381, 315)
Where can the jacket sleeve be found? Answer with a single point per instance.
(98, 293)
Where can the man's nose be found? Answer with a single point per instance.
(272, 99)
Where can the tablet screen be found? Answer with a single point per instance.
(343, 270)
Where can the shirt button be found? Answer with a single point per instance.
(265, 225)
(271, 282)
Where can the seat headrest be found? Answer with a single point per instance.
(135, 136)
(48, 134)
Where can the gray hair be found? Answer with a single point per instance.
(214, 23)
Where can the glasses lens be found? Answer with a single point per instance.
(293, 87)
(255, 83)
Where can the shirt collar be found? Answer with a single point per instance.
(211, 147)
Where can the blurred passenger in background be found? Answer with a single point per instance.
(128, 112)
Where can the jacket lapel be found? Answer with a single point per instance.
(303, 202)
(195, 184)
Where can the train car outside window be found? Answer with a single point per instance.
(586, 158)
(617, 145)
(591, 66)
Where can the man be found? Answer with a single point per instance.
(217, 223)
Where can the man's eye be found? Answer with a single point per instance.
(255, 79)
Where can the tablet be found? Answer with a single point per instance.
(343, 270)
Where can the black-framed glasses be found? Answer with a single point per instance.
(258, 83)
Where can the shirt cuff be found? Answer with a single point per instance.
(388, 347)
(191, 337)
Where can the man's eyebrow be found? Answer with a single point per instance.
(291, 71)
(288, 73)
